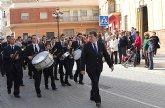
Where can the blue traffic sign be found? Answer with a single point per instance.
(103, 21)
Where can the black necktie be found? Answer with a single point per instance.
(95, 48)
(36, 51)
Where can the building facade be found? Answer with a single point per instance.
(27, 18)
(144, 15)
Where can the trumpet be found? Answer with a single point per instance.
(15, 55)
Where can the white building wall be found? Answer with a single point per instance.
(163, 9)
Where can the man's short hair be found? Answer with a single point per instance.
(79, 34)
(94, 33)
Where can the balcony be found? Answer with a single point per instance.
(113, 8)
(79, 18)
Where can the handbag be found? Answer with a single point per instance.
(158, 46)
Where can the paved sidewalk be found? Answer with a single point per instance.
(133, 87)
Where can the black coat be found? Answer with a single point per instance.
(92, 60)
(16, 63)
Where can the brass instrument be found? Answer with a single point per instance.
(14, 56)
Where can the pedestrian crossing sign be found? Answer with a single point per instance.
(103, 21)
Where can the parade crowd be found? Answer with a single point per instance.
(16, 55)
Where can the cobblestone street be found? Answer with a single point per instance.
(124, 88)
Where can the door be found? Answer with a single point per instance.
(25, 36)
(49, 35)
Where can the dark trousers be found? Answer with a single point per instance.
(61, 71)
(30, 70)
(37, 79)
(48, 72)
(138, 56)
(71, 64)
(68, 65)
(77, 73)
(94, 77)
(122, 52)
(114, 54)
(13, 76)
(56, 63)
(146, 58)
(150, 57)
(1, 65)
(155, 49)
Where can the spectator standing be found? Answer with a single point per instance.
(156, 42)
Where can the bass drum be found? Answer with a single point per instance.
(42, 60)
(77, 54)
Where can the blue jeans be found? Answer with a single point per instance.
(150, 57)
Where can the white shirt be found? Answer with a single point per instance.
(38, 48)
(114, 44)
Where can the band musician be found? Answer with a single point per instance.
(31, 51)
(13, 57)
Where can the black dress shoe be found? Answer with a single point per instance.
(46, 87)
(22, 85)
(81, 83)
(92, 99)
(9, 91)
(98, 104)
(75, 79)
(63, 84)
(39, 95)
(17, 96)
(71, 76)
(68, 84)
(56, 78)
(30, 77)
(54, 88)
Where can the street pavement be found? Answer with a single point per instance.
(132, 87)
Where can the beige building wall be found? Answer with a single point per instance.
(163, 8)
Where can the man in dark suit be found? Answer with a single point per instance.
(61, 47)
(43, 42)
(91, 57)
(52, 44)
(13, 57)
(5, 44)
(32, 50)
(78, 45)
(1, 49)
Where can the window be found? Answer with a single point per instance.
(43, 15)
(24, 16)
(83, 12)
(95, 12)
(50, 35)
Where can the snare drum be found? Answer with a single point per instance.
(42, 60)
(77, 54)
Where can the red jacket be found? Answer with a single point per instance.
(138, 42)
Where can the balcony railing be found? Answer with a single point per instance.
(79, 18)
(113, 8)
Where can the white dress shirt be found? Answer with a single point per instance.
(37, 46)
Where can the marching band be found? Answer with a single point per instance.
(19, 55)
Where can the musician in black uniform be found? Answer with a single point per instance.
(52, 44)
(61, 48)
(43, 42)
(31, 51)
(48, 72)
(1, 59)
(27, 43)
(91, 57)
(12, 55)
(78, 45)
(4, 62)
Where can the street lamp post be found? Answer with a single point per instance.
(57, 14)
